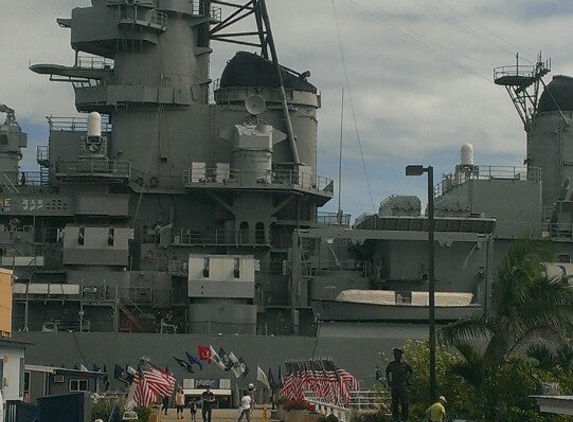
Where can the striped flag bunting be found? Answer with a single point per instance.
(319, 377)
(151, 383)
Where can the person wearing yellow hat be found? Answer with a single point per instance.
(437, 411)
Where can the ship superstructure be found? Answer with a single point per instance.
(179, 204)
(156, 179)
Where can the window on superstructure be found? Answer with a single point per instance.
(78, 385)
(27, 381)
(260, 233)
(206, 267)
(564, 258)
(237, 268)
(22, 378)
(81, 235)
(244, 233)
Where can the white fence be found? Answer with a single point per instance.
(360, 401)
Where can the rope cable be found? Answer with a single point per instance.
(352, 108)
(411, 37)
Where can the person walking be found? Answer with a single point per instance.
(398, 375)
(164, 404)
(251, 392)
(245, 407)
(180, 402)
(437, 411)
(209, 401)
(193, 409)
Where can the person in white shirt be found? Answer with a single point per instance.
(245, 407)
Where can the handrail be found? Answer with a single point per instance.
(75, 124)
(120, 169)
(94, 62)
(333, 219)
(463, 175)
(184, 237)
(360, 401)
(260, 178)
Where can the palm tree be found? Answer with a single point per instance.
(525, 304)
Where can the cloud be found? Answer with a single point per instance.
(417, 76)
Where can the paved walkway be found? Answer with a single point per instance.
(219, 415)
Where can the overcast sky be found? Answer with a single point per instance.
(417, 77)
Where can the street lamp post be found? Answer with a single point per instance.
(417, 170)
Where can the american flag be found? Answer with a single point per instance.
(151, 383)
(321, 377)
(292, 388)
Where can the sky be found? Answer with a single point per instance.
(416, 75)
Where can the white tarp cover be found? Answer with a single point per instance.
(388, 297)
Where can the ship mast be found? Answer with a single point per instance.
(522, 84)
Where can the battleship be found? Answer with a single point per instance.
(179, 210)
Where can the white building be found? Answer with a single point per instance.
(12, 355)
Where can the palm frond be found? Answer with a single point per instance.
(542, 354)
(464, 330)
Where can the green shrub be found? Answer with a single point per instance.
(102, 408)
(371, 417)
(143, 413)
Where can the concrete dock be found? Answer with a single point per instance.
(219, 415)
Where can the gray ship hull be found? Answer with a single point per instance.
(359, 355)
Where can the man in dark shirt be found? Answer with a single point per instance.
(209, 402)
(398, 374)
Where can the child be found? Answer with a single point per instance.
(193, 408)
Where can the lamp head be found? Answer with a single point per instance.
(414, 170)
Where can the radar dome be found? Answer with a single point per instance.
(467, 155)
(94, 124)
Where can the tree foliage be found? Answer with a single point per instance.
(488, 366)
(526, 306)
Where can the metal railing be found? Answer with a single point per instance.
(523, 71)
(312, 268)
(158, 18)
(360, 401)
(32, 178)
(333, 219)
(452, 180)
(262, 178)
(94, 62)
(186, 237)
(75, 124)
(42, 153)
(147, 18)
(93, 167)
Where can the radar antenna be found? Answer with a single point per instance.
(522, 85)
